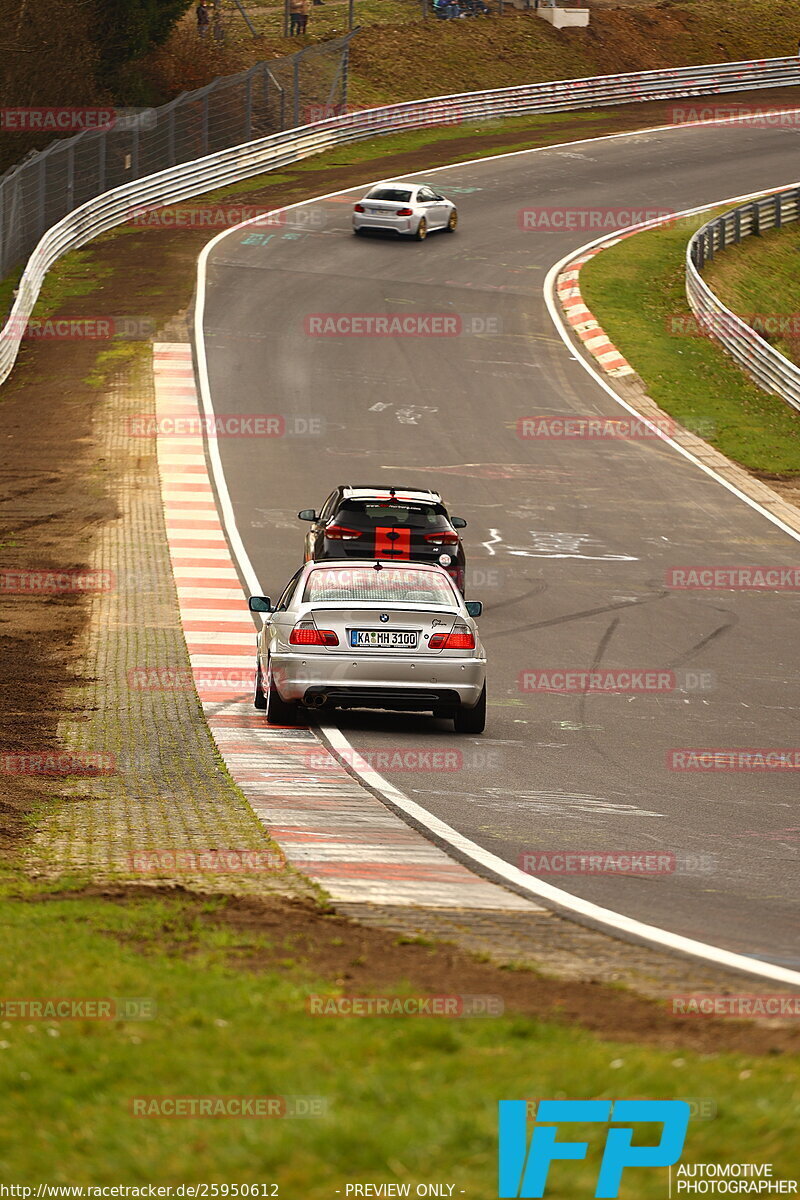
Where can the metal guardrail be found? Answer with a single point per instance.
(769, 368)
(233, 165)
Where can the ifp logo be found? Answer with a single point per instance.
(524, 1169)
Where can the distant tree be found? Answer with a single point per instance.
(127, 29)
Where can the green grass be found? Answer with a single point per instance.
(407, 1099)
(636, 291)
(760, 276)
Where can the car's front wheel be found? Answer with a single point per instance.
(422, 230)
(472, 720)
(279, 712)
(452, 222)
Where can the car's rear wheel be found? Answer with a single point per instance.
(452, 222)
(358, 232)
(472, 720)
(259, 700)
(422, 230)
(279, 712)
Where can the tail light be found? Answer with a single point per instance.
(309, 635)
(405, 212)
(444, 538)
(459, 638)
(341, 533)
(359, 208)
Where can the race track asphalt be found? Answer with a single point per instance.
(569, 541)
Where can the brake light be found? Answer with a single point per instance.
(308, 635)
(405, 212)
(359, 208)
(444, 538)
(459, 638)
(341, 533)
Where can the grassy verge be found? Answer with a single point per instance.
(406, 1099)
(636, 290)
(759, 277)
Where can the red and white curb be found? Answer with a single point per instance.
(328, 826)
(583, 321)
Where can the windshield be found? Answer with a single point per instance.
(398, 584)
(394, 194)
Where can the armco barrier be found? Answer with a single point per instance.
(241, 162)
(767, 366)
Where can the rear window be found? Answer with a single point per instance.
(397, 195)
(377, 514)
(391, 584)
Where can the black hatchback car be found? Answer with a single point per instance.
(389, 523)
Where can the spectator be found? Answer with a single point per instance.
(202, 18)
(298, 16)
(446, 9)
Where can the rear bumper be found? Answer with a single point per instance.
(379, 682)
(388, 224)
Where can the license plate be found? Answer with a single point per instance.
(383, 639)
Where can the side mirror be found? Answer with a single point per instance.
(261, 604)
(307, 514)
(474, 607)
(458, 523)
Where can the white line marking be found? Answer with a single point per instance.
(561, 899)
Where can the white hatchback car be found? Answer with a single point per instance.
(410, 209)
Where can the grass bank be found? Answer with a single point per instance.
(402, 1099)
(759, 279)
(636, 290)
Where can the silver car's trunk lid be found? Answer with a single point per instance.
(364, 629)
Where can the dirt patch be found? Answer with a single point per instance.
(358, 960)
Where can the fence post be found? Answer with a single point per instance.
(296, 90)
(70, 179)
(778, 213)
(102, 159)
(756, 220)
(345, 75)
(350, 13)
(204, 125)
(248, 109)
(737, 225)
(135, 154)
(42, 201)
(171, 138)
